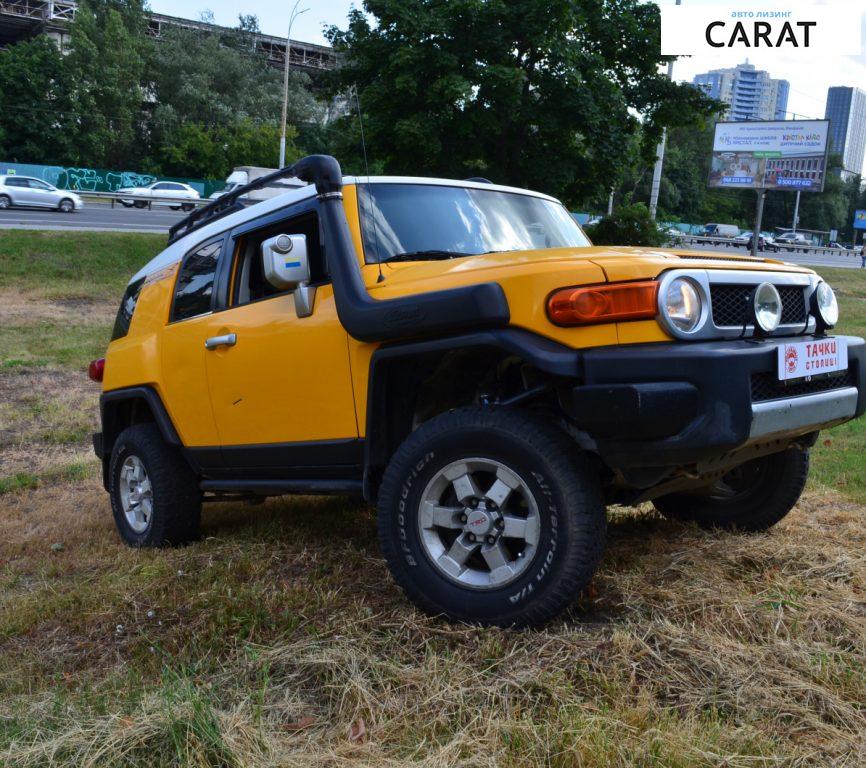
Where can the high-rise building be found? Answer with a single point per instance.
(846, 111)
(751, 94)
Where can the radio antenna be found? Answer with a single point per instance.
(367, 171)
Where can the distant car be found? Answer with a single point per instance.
(765, 243)
(139, 197)
(245, 174)
(27, 192)
(743, 238)
(721, 230)
(792, 238)
(840, 246)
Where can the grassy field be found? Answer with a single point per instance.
(280, 640)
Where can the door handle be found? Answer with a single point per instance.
(226, 340)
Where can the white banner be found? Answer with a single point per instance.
(799, 359)
(744, 28)
(785, 138)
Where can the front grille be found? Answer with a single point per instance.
(766, 386)
(730, 304)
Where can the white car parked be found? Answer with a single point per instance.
(27, 192)
(140, 197)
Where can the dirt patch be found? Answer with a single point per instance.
(17, 308)
(46, 419)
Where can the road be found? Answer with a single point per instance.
(845, 259)
(100, 216)
(95, 216)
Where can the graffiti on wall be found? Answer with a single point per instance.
(91, 180)
(97, 179)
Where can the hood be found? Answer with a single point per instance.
(616, 264)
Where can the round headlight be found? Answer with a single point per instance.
(682, 304)
(767, 307)
(824, 306)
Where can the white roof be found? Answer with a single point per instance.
(178, 248)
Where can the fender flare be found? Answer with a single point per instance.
(384, 411)
(108, 402)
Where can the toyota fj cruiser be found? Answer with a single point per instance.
(459, 353)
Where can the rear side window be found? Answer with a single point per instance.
(127, 307)
(194, 290)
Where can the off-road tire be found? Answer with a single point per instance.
(5, 202)
(563, 484)
(176, 497)
(778, 488)
(66, 206)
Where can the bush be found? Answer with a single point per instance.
(627, 225)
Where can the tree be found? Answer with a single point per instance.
(539, 93)
(38, 123)
(627, 225)
(107, 62)
(211, 152)
(218, 103)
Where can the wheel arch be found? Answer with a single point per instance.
(121, 408)
(398, 374)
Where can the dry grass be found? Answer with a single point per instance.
(47, 416)
(271, 641)
(266, 642)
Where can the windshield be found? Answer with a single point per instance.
(426, 221)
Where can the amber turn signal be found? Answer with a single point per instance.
(615, 302)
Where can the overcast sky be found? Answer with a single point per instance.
(809, 76)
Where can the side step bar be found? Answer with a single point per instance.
(281, 487)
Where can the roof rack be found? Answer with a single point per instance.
(223, 205)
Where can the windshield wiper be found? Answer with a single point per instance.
(433, 255)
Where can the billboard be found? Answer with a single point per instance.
(789, 155)
(859, 219)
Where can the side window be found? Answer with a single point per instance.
(161, 185)
(194, 289)
(127, 307)
(249, 280)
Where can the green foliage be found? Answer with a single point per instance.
(108, 63)
(534, 93)
(35, 101)
(191, 104)
(627, 225)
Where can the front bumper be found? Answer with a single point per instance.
(682, 404)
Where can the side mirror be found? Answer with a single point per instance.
(284, 261)
(286, 266)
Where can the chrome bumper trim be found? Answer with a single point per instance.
(804, 413)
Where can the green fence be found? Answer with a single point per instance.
(99, 179)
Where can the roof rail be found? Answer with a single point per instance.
(224, 205)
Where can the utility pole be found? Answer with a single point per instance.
(295, 13)
(759, 217)
(660, 156)
(796, 212)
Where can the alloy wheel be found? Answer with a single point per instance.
(479, 523)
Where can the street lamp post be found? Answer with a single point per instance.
(295, 13)
(660, 156)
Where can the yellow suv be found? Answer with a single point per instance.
(459, 353)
